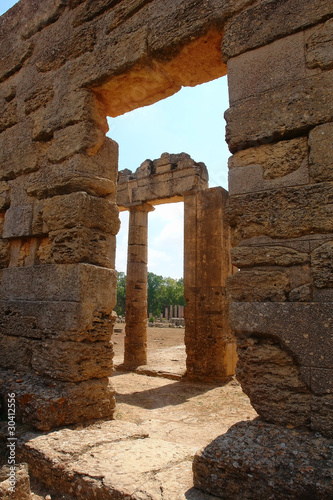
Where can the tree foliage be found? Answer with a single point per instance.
(162, 292)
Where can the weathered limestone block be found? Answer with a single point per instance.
(168, 177)
(67, 108)
(277, 160)
(269, 20)
(287, 213)
(46, 404)
(70, 246)
(54, 49)
(256, 286)
(83, 137)
(15, 51)
(79, 209)
(272, 381)
(321, 152)
(267, 68)
(290, 322)
(280, 113)
(22, 484)
(250, 256)
(14, 352)
(69, 283)
(18, 221)
(322, 265)
(94, 174)
(17, 161)
(72, 361)
(260, 460)
(318, 45)
(64, 321)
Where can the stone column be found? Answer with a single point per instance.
(136, 287)
(210, 346)
(166, 313)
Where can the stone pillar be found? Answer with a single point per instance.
(166, 313)
(210, 346)
(136, 288)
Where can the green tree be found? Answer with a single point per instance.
(121, 294)
(162, 292)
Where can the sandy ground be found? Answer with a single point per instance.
(179, 415)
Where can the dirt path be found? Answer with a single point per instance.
(147, 451)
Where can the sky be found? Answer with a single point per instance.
(190, 121)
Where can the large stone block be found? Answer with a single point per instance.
(94, 174)
(260, 460)
(280, 113)
(60, 43)
(72, 361)
(77, 210)
(82, 283)
(318, 43)
(18, 221)
(64, 321)
(44, 404)
(19, 154)
(288, 213)
(269, 20)
(277, 160)
(254, 286)
(67, 108)
(83, 137)
(273, 382)
(74, 245)
(267, 68)
(304, 329)
(274, 255)
(321, 152)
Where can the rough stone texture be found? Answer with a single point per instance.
(259, 460)
(283, 213)
(165, 179)
(136, 288)
(321, 152)
(280, 113)
(319, 51)
(269, 20)
(64, 66)
(210, 346)
(45, 403)
(22, 484)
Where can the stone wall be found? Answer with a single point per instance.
(67, 64)
(280, 210)
(64, 66)
(210, 345)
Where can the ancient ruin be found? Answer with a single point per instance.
(210, 346)
(65, 65)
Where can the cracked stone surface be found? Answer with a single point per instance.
(146, 453)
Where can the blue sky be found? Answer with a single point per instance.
(190, 121)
